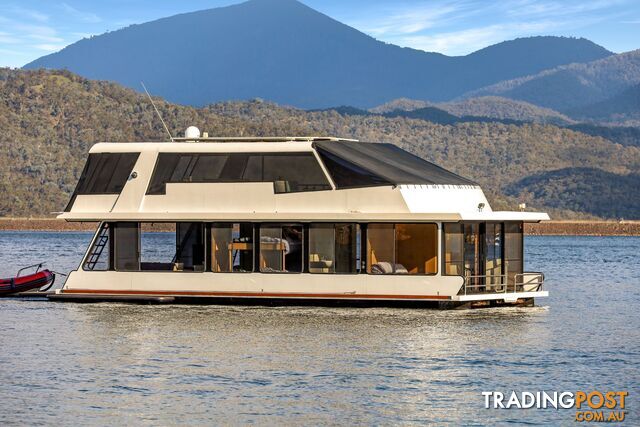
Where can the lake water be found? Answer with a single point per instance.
(114, 363)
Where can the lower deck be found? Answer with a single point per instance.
(307, 263)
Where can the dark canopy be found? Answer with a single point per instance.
(361, 164)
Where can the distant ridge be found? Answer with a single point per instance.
(567, 88)
(400, 104)
(622, 108)
(485, 107)
(505, 109)
(286, 52)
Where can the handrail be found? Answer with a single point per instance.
(503, 285)
(39, 265)
(539, 279)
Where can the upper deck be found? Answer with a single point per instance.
(272, 178)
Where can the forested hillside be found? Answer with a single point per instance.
(490, 107)
(50, 119)
(570, 87)
(622, 108)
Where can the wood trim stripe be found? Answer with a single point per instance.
(255, 294)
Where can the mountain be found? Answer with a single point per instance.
(622, 108)
(286, 52)
(51, 118)
(569, 87)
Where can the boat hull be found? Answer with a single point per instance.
(364, 290)
(37, 280)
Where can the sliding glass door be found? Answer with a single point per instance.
(484, 253)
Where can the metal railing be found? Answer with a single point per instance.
(36, 266)
(500, 283)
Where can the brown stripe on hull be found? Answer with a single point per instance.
(255, 294)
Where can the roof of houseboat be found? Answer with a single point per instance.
(390, 163)
(272, 178)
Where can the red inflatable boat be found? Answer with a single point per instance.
(36, 280)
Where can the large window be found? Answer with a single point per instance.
(348, 175)
(402, 248)
(131, 246)
(333, 248)
(99, 256)
(157, 246)
(513, 250)
(493, 252)
(104, 173)
(231, 247)
(127, 246)
(483, 249)
(281, 248)
(289, 172)
(453, 249)
(189, 246)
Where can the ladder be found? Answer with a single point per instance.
(98, 247)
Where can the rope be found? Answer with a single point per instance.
(50, 284)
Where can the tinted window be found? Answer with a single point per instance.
(290, 172)
(294, 172)
(513, 251)
(104, 173)
(189, 246)
(348, 175)
(127, 246)
(333, 248)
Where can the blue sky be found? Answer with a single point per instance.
(32, 28)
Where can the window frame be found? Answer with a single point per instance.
(443, 249)
(82, 179)
(504, 258)
(365, 270)
(358, 226)
(205, 246)
(209, 247)
(109, 248)
(133, 155)
(311, 154)
(112, 247)
(258, 253)
(138, 226)
(324, 154)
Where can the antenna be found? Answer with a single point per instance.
(157, 112)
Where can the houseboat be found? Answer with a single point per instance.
(291, 220)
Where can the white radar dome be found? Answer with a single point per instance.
(192, 132)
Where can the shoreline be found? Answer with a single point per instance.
(549, 228)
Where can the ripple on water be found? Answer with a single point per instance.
(115, 363)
